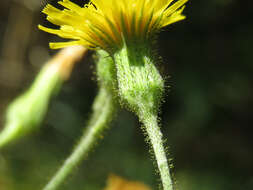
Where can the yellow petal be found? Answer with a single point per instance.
(107, 23)
(58, 45)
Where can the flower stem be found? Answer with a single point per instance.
(155, 137)
(103, 109)
(141, 89)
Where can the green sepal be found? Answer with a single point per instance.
(139, 82)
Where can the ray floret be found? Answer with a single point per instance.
(106, 24)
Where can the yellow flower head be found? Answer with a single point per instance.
(107, 23)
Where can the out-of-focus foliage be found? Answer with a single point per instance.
(206, 117)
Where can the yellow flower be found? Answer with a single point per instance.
(118, 183)
(107, 24)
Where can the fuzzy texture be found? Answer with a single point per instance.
(103, 110)
(139, 81)
(106, 24)
(141, 90)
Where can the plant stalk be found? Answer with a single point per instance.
(141, 90)
(155, 137)
(103, 110)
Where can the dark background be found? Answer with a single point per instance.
(206, 117)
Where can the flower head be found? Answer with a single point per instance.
(107, 24)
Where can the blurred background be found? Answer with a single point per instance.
(206, 118)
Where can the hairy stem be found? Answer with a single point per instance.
(155, 137)
(141, 89)
(103, 109)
